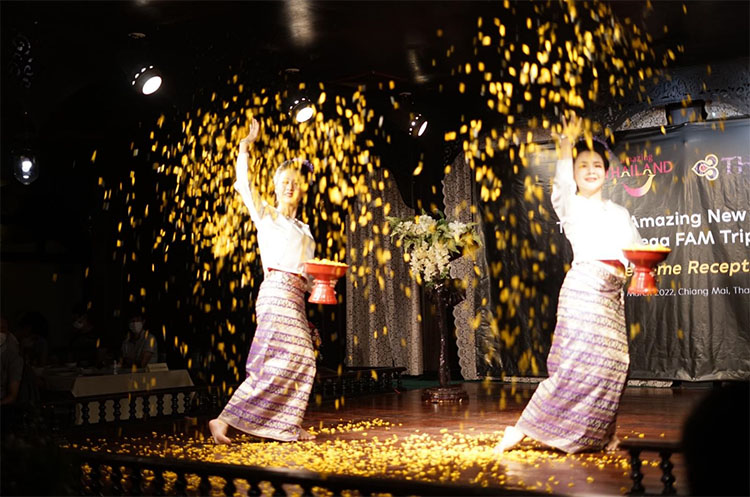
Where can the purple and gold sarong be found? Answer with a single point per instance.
(575, 408)
(280, 367)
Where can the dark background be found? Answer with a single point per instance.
(673, 336)
(65, 93)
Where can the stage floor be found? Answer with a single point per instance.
(396, 435)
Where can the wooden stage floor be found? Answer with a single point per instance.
(396, 435)
(644, 412)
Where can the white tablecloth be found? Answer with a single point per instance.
(83, 386)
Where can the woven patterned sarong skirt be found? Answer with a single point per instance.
(280, 367)
(574, 409)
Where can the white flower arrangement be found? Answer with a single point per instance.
(430, 244)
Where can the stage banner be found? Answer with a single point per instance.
(687, 187)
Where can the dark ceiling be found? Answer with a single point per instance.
(63, 80)
(76, 47)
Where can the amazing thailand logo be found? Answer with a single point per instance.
(643, 167)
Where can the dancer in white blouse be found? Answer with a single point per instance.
(575, 408)
(280, 367)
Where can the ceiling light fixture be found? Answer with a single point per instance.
(406, 113)
(147, 80)
(25, 167)
(417, 125)
(301, 109)
(298, 104)
(137, 61)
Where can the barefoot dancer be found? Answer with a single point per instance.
(575, 408)
(280, 367)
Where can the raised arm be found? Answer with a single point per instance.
(243, 185)
(564, 185)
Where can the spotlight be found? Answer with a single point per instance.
(407, 116)
(139, 63)
(25, 167)
(295, 95)
(301, 109)
(417, 125)
(147, 80)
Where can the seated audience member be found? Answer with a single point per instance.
(716, 441)
(32, 336)
(86, 347)
(139, 348)
(11, 365)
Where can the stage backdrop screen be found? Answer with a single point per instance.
(689, 189)
(686, 187)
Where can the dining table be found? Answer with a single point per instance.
(97, 382)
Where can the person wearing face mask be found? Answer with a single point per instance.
(139, 348)
(280, 366)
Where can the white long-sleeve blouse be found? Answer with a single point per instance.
(596, 229)
(285, 243)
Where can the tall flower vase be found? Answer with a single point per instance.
(445, 294)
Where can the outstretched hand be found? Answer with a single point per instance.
(253, 132)
(570, 128)
(246, 168)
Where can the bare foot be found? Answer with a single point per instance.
(219, 431)
(613, 444)
(512, 437)
(305, 435)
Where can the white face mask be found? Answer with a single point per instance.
(136, 327)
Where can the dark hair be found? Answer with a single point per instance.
(36, 322)
(303, 166)
(596, 146)
(79, 308)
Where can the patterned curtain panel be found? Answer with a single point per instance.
(472, 316)
(382, 301)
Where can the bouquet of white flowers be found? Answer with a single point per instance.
(431, 244)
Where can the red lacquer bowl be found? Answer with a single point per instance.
(645, 259)
(325, 275)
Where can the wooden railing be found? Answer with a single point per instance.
(665, 449)
(357, 381)
(114, 474)
(179, 402)
(130, 407)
